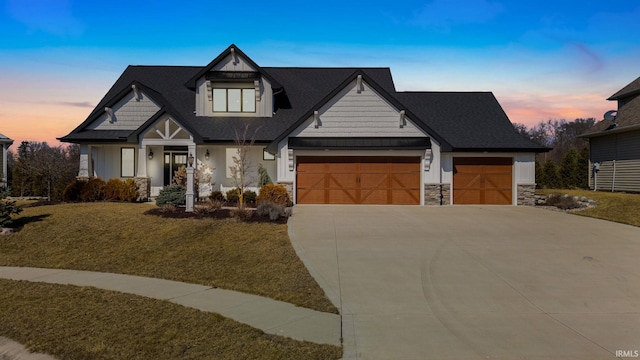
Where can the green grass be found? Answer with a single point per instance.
(72, 322)
(255, 258)
(617, 207)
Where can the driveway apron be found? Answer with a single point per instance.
(474, 282)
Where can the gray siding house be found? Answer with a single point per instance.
(614, 144)
(5, 142)
(330, 135)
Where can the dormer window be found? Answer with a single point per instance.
(234, 98)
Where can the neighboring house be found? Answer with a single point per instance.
(614, 144)
(330, 135)
(5, 142)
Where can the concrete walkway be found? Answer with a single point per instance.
(271, 316)
(474, 282)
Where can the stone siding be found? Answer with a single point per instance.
(527, 195)
(144, 188)
(437, 194)
(289, 187)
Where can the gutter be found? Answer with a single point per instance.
(615, 130)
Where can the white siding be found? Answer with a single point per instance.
(128, 113)
(235, 63)
(525, 167)
(105, 160)
(365, 114)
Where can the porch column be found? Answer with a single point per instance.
(83, 171)
(190, 184)
(142, 180)
(142, 161)
(3, 173)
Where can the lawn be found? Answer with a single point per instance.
(255, 258)
(618, 207)
(72, 322)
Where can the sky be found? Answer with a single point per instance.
(542, 59)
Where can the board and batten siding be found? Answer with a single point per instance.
(619, 159)
(128, 114)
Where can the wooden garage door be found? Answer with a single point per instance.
(482, 181)
(358, 180)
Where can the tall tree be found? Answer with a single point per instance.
(42, 170)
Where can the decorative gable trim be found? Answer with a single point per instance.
(235, 52)
(273, 146)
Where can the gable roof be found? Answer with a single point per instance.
(631, 89)
(458, 121)
(191, 83)
(628, 116)
(371, 82)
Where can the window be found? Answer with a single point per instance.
(234, 100)
(127, 162)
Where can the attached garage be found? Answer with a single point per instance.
(483, 180)
(358, 180)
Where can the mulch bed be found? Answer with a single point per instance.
(224, 213)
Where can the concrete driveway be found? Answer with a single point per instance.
(474, 282)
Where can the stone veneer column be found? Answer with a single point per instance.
(289, 187)
(436, 194)
(527, 195)
(144, 188)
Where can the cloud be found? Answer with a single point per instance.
(442, 14)
(81, 104)
(50, 16)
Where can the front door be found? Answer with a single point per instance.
(173, 160)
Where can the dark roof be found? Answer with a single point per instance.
(628, 116)
(469, 121)
(458, 121)
(627, 119)
(631, 89)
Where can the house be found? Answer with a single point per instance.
(330, 135)
(5, 142)
(614, 144)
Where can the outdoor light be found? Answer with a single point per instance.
(150, 154)
(190, 160)
(206, 155)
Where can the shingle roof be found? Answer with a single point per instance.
(469, 121)
(628, 116)
(459, 121)
(631, 88)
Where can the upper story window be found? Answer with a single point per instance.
(234, 100)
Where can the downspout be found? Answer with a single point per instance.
(613, 181)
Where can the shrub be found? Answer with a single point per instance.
(263, 176)
(129, 191)
(250, 196)
(216, 196)
(169, 208)
(7, 209)
(112, 189)
(93, 190)
(274, 211)
(233, 196)
(208, 206)
(276, 194)
(174, 194)
(241, 213)
(73, 190)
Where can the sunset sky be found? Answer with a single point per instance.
(543, 60)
